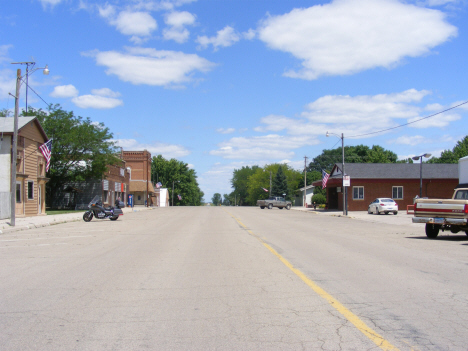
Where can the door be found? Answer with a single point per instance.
(19, 208)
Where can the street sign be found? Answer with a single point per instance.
(346, 181)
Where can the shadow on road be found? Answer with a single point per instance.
(442, 238)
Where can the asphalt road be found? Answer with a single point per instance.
(232, 278)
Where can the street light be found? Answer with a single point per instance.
(14, 140)
(420, 169)
(31, 63)
(345, 197)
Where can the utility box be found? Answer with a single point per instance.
(463, 170)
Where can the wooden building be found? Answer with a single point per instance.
(30, 167)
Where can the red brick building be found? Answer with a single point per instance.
(115, 183)
(399, 181)
(139, 163)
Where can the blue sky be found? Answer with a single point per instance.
(221, 84)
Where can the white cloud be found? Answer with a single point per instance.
(179, 19)
(4, 53)
(179, 35)
(250, 34)
(51, 3)
(166, 150)
(107, 11)
(349, 36)
(225, 131)
(105, 92)
(64, 91)
(152, 67)
(410, 140)
(439, 2)
(268, 147)
(7, 83)
(225, 37)
(137, 24)
(96, 101)
(177, 22)
(371, 110)
(438, 121)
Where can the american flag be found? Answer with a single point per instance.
(158, 185)
(180, 197)
(46, 150)
(265, 189)
(325, 176)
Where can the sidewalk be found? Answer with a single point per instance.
(400, 219)
(24, 223)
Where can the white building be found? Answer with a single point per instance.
(309, 191)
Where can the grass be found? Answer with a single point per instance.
(55, 212)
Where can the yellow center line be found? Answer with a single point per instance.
(350, 316)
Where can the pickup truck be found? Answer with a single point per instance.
(439, 214)
(271, 202)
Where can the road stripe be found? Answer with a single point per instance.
(355, 320)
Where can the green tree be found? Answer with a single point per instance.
(319, 199)
(240, 183)
(184, 179)
(260, 180)
(279, 184)
(216, 199)
(353, 154)
(452, 156)
(226, 200)
(81, 149)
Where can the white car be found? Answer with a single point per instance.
(384, 205)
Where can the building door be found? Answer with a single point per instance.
(39, 200)
(332, 199)
(19, 208)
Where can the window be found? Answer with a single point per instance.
(30, 190)
(18, 193)
(397, 192)
(358, 193)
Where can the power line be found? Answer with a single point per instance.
(27, 86)
(402, 125)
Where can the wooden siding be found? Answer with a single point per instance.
(31, 164)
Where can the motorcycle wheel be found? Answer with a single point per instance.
(114, 218)
(88, 216)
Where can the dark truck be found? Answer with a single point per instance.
(271, 202)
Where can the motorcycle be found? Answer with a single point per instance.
(96, 209)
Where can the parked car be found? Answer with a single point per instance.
(271, 202)
(383, 205)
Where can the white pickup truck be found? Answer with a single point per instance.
(271, 202)
(450, 214)
(441, 214)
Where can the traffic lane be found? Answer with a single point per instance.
(393, 278)
(181, 278)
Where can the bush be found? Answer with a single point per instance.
(319, 199)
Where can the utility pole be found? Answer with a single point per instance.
(305, 180)
(14, 143)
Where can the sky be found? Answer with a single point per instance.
(222, 84)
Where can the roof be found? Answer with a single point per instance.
(397, 170)
(307, 187)
(7, 124)
(140, 185)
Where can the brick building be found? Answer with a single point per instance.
(399, 181)
(114, 184)
(30, 167)
(139, 164)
